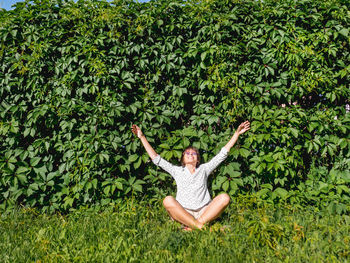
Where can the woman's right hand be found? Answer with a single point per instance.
(136, 130)
(243, 127)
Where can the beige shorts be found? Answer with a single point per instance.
(197, 213)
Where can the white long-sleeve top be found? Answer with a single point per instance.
(192, 189)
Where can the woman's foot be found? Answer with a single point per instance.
(186, 228)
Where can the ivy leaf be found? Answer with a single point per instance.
(294, 132)
(344, 32)
(22, 178)
(34, 161)
(281, 192)
(22, 169)
(133, 157)
(244, 152)
(225, 186)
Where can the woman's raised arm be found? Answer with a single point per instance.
(242, 128)
(137, 131)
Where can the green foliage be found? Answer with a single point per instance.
(75, 75)
(249, 231)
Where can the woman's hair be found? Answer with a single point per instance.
(194, 149)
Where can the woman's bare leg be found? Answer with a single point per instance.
(178, 213)
(215, 208)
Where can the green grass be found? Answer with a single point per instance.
(138, 231)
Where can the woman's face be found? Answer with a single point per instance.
(190, 157)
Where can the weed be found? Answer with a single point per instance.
(138, 231)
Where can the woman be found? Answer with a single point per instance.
(193, 206)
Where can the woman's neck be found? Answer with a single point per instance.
(191, 167)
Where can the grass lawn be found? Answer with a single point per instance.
(140, 231)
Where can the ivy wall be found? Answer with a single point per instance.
(75, 76)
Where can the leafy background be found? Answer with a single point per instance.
(75, 76)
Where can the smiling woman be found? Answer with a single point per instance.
(193, 206)
(188, 153)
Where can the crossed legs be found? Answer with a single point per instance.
(213, 211)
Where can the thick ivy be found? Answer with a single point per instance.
(75, 76)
